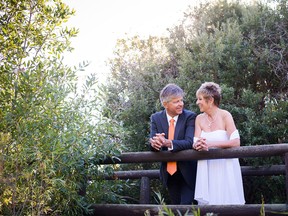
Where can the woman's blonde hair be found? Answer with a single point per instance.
(210, 90)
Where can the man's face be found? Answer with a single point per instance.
(174, 106)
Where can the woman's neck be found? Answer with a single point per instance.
(212, 113)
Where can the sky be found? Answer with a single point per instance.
(101, 23)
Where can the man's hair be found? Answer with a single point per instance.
(169, 92)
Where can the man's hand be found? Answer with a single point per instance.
(158, 141)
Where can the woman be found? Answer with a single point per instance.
(218, 181)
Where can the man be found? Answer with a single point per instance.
(181, 184)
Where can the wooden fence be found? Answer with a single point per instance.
(225, 210)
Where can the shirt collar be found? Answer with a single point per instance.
(175, 118)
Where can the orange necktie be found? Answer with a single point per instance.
(171, 166)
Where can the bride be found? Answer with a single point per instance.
(218, 181)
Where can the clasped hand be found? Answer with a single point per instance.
(159, 141)
(200, 144)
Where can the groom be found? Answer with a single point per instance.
(173, 130)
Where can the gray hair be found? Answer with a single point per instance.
(169, 92)
(210, 90)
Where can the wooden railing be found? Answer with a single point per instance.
(239, 152)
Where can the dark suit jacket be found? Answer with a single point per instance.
(183, 139)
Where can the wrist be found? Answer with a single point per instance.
(168, 143)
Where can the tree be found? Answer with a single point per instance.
(240, 46)
(52, 135)
(235, 45)
(138, 66)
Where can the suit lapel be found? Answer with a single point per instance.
(178, 125)
(164, 123)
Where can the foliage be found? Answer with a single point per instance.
(135, 69)
(165, 210)
(52, 135)
(243, 47)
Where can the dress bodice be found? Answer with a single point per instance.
(217, 135)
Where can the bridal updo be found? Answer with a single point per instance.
(210, 90)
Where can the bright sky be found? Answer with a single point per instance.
(102, 22)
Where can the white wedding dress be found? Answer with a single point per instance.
(219, 181)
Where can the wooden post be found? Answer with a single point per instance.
(145, 190)
(286, 176)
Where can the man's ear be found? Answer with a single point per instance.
(164, 104)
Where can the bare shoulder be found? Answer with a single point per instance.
(200, 116)
(199, 122)
(225, 114)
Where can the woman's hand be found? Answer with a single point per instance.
(200, 144)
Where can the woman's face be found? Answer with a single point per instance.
(203, 103)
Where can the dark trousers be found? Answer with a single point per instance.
(179, 190)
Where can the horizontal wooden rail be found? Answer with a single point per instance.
(221, 210)
(237, 152)
(154, 174)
